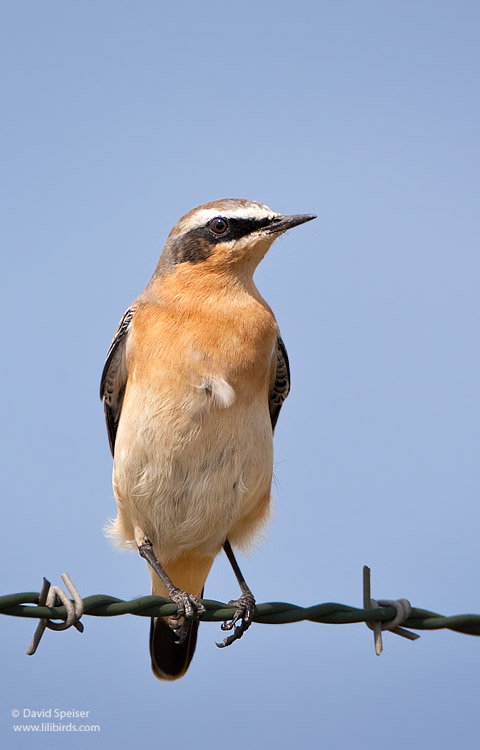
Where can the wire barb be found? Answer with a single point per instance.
(74, 610)
(402, 607)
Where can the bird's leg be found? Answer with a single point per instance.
(188, 606)
(244, 606)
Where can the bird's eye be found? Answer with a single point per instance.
(218, 225)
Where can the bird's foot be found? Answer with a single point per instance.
(244, 609)
(189, 608)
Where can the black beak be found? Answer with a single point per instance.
(282, 223)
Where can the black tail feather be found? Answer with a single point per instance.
(170, 660)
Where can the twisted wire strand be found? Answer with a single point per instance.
(268, 613)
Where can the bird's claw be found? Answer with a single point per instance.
(189, 608)
(244, 609)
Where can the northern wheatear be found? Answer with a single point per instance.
(193, 385)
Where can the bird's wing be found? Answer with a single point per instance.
(114, 377)
(281, 384)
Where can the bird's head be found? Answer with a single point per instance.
(228, 234)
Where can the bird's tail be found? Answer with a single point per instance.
(170, 660)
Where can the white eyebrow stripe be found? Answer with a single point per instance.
(204, 215)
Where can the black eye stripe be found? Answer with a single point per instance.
(198, 244)
(241, 227)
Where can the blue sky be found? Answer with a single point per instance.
(117, 119)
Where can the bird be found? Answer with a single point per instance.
(192, 386)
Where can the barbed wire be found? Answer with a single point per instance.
(30, 604)
(267, 613)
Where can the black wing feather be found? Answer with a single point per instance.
(114, 377)
(281, 387)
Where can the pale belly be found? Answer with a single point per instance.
(190, 472)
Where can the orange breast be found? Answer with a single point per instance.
(199, 322)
